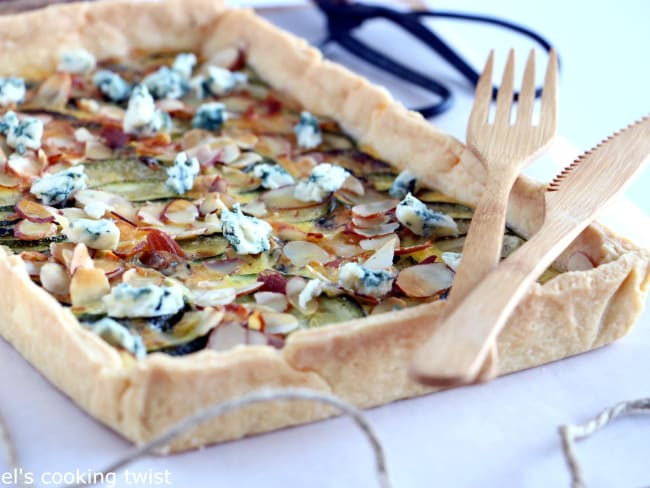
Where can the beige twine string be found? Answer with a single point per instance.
(572, 433)
(258, 396)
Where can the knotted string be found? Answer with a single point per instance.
(572, 433)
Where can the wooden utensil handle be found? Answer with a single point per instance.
(458, 347)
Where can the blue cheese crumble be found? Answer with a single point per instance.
(126, 300)
(141, 116)
(210, 116)
(365, 281)
(273, 175)
(308, 131)
(181, 176)
(323, 180)
(247, 235)
(58, 187)
(77, 61)
(12, 91)
(25, 135)
(403, 185)
(9, 121)
(184, 64)
(166, 83)
(419, 219)
(218, 81)
(112, 85)
(95, 234)
(117, 335)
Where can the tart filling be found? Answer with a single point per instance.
(175, 204)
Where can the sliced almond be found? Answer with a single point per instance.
(151, 214)
(88, 286)
(34, 211)
(8, 180)
(33, 231)
(112, 268)
(370, 222)
(97, 150)
(256, 208)
(180, 212)
(383, 257)
(275, 301)
(353, 185)
(227, 336)
(295, 286)
(301, 253)
(80, 258)
(377, 242)
(211, 203)
(279, 323)
(282, 199)
(379, 231)
(113, 202)
(34, 262)
(55, 279)
(54, 92)
(214, 297)
(27, 166)
(425, 280)
(141, 277)
(390, 304)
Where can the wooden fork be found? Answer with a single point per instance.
(505, 148)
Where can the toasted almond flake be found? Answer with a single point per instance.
(84, 135)
(151, 214)
(411, 249)
(579, 261)
(194, 137)
(111, 111)
(62, 252)
(295, 287)
(214, 297)
(282, 199)
(248, 289)
(8, 180)
(374, 209)
(255, 321)
(112, 268)
(55, 279)
(227, 336)
(33, 231)
(80, 258)
(275, 301)
(115, 203)
(141, 277)
(183, 232)
(279, 323)
(54, 91)
(239, 180)
(34, 211)
(377, 242)
(246, 159)
(210, 203)
(226, 57)
(256, 208)
(379, 231)
(301, 253)
(26, 166)
(69, 215)
(371, 222)
(34, 261)
(390, 304)
(180, 212)
(353, 185)
(425, 280)
(88, 286)
(224, 266)
(383, 257)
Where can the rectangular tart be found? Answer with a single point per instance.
(593, 298)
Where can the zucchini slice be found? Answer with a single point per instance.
(118, 170)
(332, 310)
(140, 191)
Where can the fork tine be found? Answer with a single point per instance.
(526, 101)
(549, 93)
(483, 95)
(506, 91)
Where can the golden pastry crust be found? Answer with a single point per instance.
(575, 312)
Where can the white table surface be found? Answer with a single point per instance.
(498, 435)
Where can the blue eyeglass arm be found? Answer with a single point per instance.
(344, 17)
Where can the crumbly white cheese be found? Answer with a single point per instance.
(273, 175)
(451, 259)
(218, 81)
(181, 176)
(141, 116)
(308, 131)
(77, 61)
(166, 83)
(25, 135)
(371, 282)
(421, 220)
(12, 91)
(96, 210)
(184, 63)
(126, 300)
(58, 187)
(117, 335)
(8, 122)
(247, 235)
(403, 185)
(210, 116)
(95, 234)
(112, 85)
(312, 289)
(323, 180)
